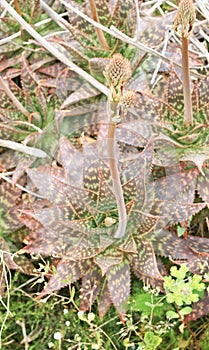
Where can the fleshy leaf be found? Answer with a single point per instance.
(203, 185)
(86, 91)
(72, 161)
(197, 158)
(108, 259)
(91, 286)
(61, 193)
(29, 78)
(144, 264)
(180, 211)
(104, 302)
(118, 278)
(166, 243)
(199, 309)
(67, 272)
(199, 264)
(9, 197)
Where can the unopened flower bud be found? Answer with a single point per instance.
(117, 73)
(128, 99)
(184, 19)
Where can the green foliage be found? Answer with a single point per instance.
(182, 289)
(148, 303)
(204, 338)
(151, 341)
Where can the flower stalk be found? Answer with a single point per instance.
(188, 118)
(117, 72)
(183, 24)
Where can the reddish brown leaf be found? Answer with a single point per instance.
(9, 198)
(144, 264)
(67, 272)
(110, 258)
(199, 309)
(91, 285)
(119, 282)
(104, 302)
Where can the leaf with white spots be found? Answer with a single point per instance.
(67, 272)
(91, 286)
(145, 265)
(119, 283)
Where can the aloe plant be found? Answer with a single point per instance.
(163, 112)
(95, 228)
(78, 224)
(15, 40)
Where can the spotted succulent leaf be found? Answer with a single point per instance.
(200, 96)
(119, 281)
(5, 101)
(67, 272)
(111, 257)
(17, 91)
(92, 283)
(166, 243)
(85, 92)
(199, 265)
(203, 185)
(32, 87)
(199, 309)
(145, 265)
(9, 198)
(175, 185)
(172, 92)
(61, 193)
(72, 162)
(42, 241)
(53, 70)
(197, 158)
(182, 212)
(104, 301)
(29, 78)
(8, 160)
(129, 245)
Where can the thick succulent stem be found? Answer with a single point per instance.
(188, 119)
(117, 187)
(100, 34)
